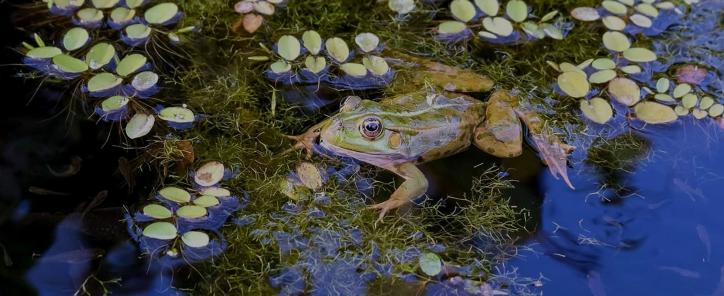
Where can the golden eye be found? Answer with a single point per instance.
(371, 128)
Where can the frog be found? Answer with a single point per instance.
(430, 121)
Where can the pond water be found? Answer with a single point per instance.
(660, 233)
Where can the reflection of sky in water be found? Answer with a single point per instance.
(665, 236)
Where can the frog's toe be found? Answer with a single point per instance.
(385, 207)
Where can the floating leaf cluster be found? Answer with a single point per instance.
(135, 22)
(401, 7)
(253, 12)
(313, 60)
(180, 227)
(121, 82)
(649, 17)
(624, 76)
(510, 24)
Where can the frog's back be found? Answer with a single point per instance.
(437, 126)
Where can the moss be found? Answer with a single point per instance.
(246, 118)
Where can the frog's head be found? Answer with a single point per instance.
(363, 128)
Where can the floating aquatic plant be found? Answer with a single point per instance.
(401, 7)
(181, 227)
(253, 12)
(313, 60)
(509, 25)
(650, 17)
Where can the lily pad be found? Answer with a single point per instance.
(376, 65)
(195, 239)
(585, 14)
(624, 91)
(549, 16)
(312, 42)
(134, 3)
(139, 125)
(532, 29)
(616, 41)
(104, 4)
(706, 102)
(553, 32)
(614, 7)
(75, 38)
(209, 174)
(310, 175)
(337, 49)
(161, 13)
(69, 64)
(597, 110)
(89, 15)
(216, 191)
(489, 7)
(486, 34)
(681, 111)
(451, 27)
(264, 7)
(367, 42)
(130, 64)
(662, 85)
(315, 64)
(206, 201)
(716, 110)
(103, 81)
(639, 55)
(602, 76)
(280, 66)
(568, 67)
(430, 264)
(681, 90)
(603, 64)
(664, 98)
(289, 47)
(160, 230)
(574, 84)
(175, 194)
(699, 114)
(354, 69)
(498, 25)
(114, 103)
(191, 212)
(689, 100)
(122, 15)
(665, 5)
(100, 55)
(614, 23)
(641, 20)
(144, 80)
(138, 31)
(631, 69)
(462, 10)
(401, 6)
(44, 52)
(647, 9)
(157, 211)
(176, 114)
(655, 113)
(517, 10)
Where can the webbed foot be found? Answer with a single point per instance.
(305, 141)
(414, 186)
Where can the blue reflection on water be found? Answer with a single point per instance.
(665, 236)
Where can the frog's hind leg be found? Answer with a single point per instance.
(501, 134)
(414, 186)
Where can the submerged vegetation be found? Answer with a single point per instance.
(306, 226)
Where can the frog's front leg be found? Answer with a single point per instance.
(307, 140)
(414, 186)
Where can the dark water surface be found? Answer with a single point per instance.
(662, 235)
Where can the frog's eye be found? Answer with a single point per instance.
(371, 128)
